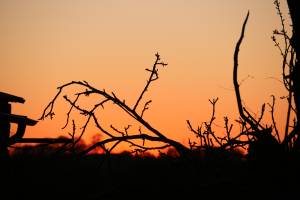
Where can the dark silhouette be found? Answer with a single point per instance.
(251, 127)
(113, 135)
(211, 166)
(294, 74)
(6, 118)
(264, 147)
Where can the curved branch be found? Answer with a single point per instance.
(120, 139)
(88, 90)
(249, 119)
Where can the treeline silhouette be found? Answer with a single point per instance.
(35, 174)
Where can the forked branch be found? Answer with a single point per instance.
(125, 136)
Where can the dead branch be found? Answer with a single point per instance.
(249, 119)
(153, 77)
(272, 106)
(207, 137)
(290, 69)
(146, 107)
(122, 139)
(113, 98)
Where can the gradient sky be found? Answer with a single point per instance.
(109, 43)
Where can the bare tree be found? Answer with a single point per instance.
(291, 78)
(288, 47)
(264, 139)
(113, 135)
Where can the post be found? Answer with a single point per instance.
(5, 107)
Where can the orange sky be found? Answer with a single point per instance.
(109, 44)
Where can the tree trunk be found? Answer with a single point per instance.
(294, 5)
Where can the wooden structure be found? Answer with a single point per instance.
(6, 118)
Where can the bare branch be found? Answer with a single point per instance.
(207, 138)
(153, 77)
(90, 114)
(116, 130)
(48, 111)
(120, 139)
(69, 112)
(261, 114)
(249, 119)
(272, 106)
(146, 107)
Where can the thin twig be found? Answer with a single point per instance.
(153, 77)
(272, 106)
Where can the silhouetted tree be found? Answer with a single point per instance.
(263, 140)
(294, 67)
(113, 135)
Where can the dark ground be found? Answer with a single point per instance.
(127, 177)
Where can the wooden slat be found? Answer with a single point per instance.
(17, 119)
(10, 98)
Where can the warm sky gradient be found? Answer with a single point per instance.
(109, 43)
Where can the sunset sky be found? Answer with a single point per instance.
(109, 43)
